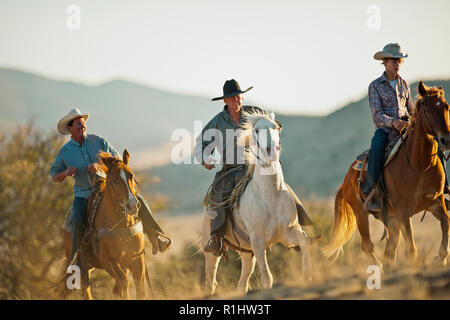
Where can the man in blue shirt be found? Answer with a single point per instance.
(78, 159)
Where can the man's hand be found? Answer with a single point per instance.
(208, 166)
(94, 167)
(398, 124)
(70, 171)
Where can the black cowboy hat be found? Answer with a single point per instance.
(231, 88)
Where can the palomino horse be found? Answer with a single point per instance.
(267, 212)
(121, 242)
(414, 180)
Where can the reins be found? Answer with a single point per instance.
(433, 133)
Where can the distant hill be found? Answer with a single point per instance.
(317, 151)
(128, 114)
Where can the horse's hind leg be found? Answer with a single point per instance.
(248, 262)
(259, 250)
(362, 221)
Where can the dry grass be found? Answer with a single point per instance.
(179, 273)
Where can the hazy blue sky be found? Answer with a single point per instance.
(306, 57)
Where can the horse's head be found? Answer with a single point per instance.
(435, 113)
(121, 181)
(262, 135)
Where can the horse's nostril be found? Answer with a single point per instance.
(442, 140)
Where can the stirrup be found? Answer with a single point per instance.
(220, 251)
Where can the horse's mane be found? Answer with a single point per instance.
(254, 117)
(113, 161)
(431, 91)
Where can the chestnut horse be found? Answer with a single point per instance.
(414, 180)
(120, 250)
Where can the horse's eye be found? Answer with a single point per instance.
(257, 130)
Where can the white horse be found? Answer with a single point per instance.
(267, 211)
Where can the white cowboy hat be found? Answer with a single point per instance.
(391, 50)
(73, 114)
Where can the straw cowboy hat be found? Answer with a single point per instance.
(73, 114)
(231, 88)
(391, 50)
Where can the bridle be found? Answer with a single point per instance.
(435, 138)
(122, 204)
(269, 162)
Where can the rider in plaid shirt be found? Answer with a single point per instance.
(391, 105)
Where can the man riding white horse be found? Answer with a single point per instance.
(231, 118)
(78, 159)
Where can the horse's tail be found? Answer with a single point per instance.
(344, 225)
(60, 285)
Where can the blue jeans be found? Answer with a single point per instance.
(79, 208)
(376, 159)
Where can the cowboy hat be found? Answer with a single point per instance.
(391, 50)
(231, 88)
(73, 114)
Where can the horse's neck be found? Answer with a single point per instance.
(269, 179)
(421, 147)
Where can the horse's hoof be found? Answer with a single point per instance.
(438, 261)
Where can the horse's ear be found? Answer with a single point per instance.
(423, 89)
(272, 115)
(126, 157)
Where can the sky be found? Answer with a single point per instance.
(302, 57)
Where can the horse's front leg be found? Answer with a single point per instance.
(406, 229)
(439, 211)
(296, 236)
(211, 261)
(248, 262)
(259, 249)
(138, 270)
(390, 252)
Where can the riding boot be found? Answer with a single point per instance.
(375, 169)
(215, 242)
(159, 240)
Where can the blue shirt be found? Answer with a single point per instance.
(73, 154)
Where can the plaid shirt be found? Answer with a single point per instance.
(387, 103)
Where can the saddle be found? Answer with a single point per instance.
(389, 154)
(361, 165)
(90, 237)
